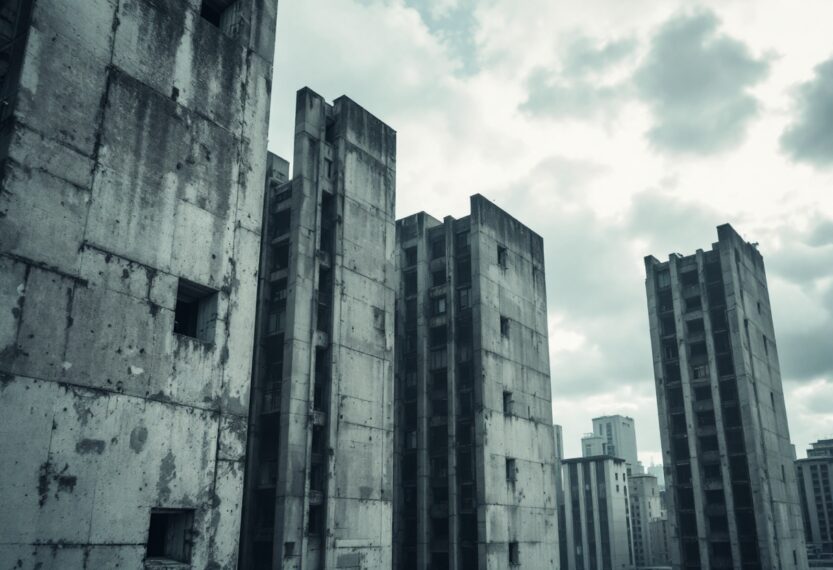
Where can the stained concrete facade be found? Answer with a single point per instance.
(645, 507)
(320, 481)
(597, 522)
(133, 154)
(815, 484)
(475, 453)
(732, 493)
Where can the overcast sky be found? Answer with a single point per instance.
(615, 130)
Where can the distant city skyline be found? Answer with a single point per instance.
(567, 119)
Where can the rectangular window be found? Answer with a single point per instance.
(438, 277)
(195, 314)
(663, 279)
(328, 168)
(504, 327)
(410, 256)
(464, 298)
(502, 257)
(508, 403)
(169, 535)
(438, 248)
(438, 336)
(410, 283)
(280, 257)
(693, 304)
(511, 470)
(438, 306)
(514, 554)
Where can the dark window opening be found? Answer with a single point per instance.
(663, 279)
(462, 242)
(678, 424)
(675, 398)
(725, 366)
(465, 468)
(708, 443)
(439, 407)
(666, 301)
(169, 535)
(514, 554)
(439, 380)
(438, 306)
(315, 520)
(697, 349)
(508, 403)
(717, 297)
(683, 474)
(410, 256)
(330, 131)
(281, 222)
(196, 311)
(464, 271)
(695, 326)
(410, 283)
(680, 446)
(689, 278)
(672, 373)
(464, 298)
(702, 393)
(502, 256)
(511, 470)
(438, 248)
(438, 277)
(667, 326)
(669, 349)
(713, 272)
(438, 336)
(328, 168)
(693, 304)
(504, 327)
(711, 472)
(213, 11)
(719, 321)
(715, 497)
(705, 419)
(731, 416)
(280, 257)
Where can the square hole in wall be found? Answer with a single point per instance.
(514, 554)
(169, 535)
(195, 314)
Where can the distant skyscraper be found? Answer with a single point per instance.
(657, 471)
(732, 490)
(475, 468)
(645, 507)
(592, 445)
(597, 527)
(815, 484)
(619, 436)
(559, 494)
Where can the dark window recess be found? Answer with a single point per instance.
(667, 326)
(439, 407)
(669, 349)
(719, 322)
(721, 342)
(216, 11)
(731, 416)
(329, 170)
(439, 380)
(410, 256)
(713, 272)
(734, 441)
(169, 535)
(315, 521)
(711, 472)
(663, 279)
(708, 443)
(504, 327)
(697, 349)
(717, 297)
(725, 366)
(465, 433)
(438, 336)
(702, 393)
(438, 306)
(514, 554)
(683, 474)
(330, 131)
(693, 304)
(410, 283)
(678, 424)
(681, 448)
(665, 301)
(462, 241)
(511, 470)
(689, 278)
(463, 272)
(281, 222)
(196, 311)
(705, 419)
(672, 373)
(685, 498)
(280, 257)
(502, 257)
(438, 248)
(695, 326)
(675, 398)
(508, 403)
(438, 277)
(464, 298)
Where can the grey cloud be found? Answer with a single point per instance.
(695, 80)
(810, 138)
(575, 90)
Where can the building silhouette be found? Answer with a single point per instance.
(619, 436)
(732, 495)
(815, 485)
(597, 521)
(475, 453)
(133, 159)
(320, 470)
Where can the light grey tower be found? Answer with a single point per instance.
(475, 473)
(732, 494)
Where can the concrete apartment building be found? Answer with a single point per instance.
(597, 523)
(645, 507)
(732, 494)
(320, 485)
(133, 158)
(475, 476)
(815, 486)
(619, 435)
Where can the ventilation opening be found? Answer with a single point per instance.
(196, 311)
(169, 535)
(511, 470)
(223, 14)
(514, 554)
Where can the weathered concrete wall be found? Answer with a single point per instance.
(135, 157)
(332, 437)
(723, 421)
(457, 508)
